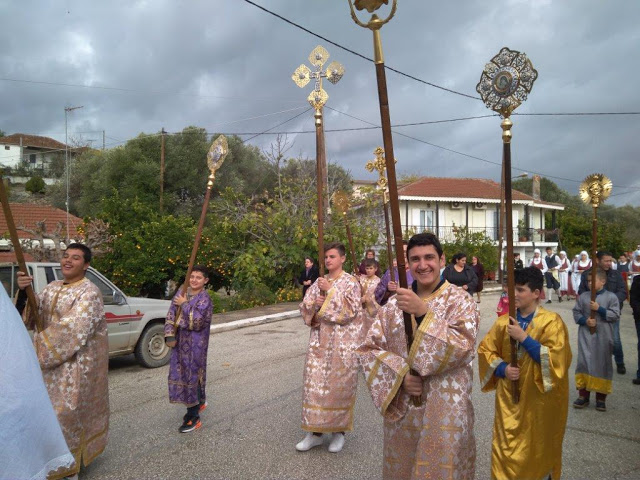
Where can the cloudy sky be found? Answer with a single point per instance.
(226, 65)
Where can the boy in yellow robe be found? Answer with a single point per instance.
(527, 436)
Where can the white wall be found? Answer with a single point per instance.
(10, 155)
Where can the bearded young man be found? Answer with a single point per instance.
(434, 439)
(73, 351)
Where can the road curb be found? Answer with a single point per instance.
(250, 322)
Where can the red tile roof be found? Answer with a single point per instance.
(457, 188)
(442, 187)
(27, 214)
(34, 141)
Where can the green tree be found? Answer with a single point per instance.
(473, 244)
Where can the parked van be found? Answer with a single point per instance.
(135, 325)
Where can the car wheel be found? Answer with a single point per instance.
(151, 351)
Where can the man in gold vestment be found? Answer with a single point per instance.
(435, 438)
(527, 436)
(73, 352)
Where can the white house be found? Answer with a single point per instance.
(440, 204)
(36, 151)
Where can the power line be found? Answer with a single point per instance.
(359, 54)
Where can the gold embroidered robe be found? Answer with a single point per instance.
(371, 308)
(527, 436)
(73, 352)
(331, 367)
(435, 439)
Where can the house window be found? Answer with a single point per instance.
(32, 158)
(426, 220)
(7, 147)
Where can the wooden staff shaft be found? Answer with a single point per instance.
(392, 273)
(351, 249)
(393, 194)
(320, 187)
(501, 265)
(17, 248)
(594, 248)
(508, 197)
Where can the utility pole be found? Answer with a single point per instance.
(162, 171)
(103, 140)
(66, 159)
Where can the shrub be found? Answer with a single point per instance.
(288, 294)
(35, 185)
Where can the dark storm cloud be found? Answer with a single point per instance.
(211, 63)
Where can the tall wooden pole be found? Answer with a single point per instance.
(594, 252)
(375, 24)
(17, 248)
(162, 171)
(320, 186)
(501, 228)
(508, 199)
(385, 206)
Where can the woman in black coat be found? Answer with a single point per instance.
(309, 275)
(461, 274)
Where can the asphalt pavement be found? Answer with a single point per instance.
(253, 421)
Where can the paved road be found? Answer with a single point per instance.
(253, 422)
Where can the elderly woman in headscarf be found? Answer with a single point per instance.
(583, 264)
(538, 262)
(634, 265)
(563, 274)
(32, 442)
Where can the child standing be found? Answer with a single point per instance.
(369, 282)
(536, 423)
(503, 303)
(595, 368)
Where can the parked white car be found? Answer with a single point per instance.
(135, 325)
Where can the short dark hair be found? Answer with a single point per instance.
(309, 258)
(202, 269)
(370, 262)
(424, 239)
(603, 253)
(530, 276)
(549, 248)
(86, 251)
(370, 250)
(338, 246)
(601, 273)
(458, 256)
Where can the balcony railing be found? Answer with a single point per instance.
(520, 234)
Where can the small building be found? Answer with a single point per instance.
(440, 204)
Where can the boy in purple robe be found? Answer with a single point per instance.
(187, 330)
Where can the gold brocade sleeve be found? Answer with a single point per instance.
(343, 302)
(555, 355)
(490, 354)
(382, 357)
(308, 305)
(64, 337)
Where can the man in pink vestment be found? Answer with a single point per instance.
(332, 309)
(434, 439)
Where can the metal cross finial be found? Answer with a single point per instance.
(380, 164)
(303, 75)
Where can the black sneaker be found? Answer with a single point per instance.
(548, 301)
(190, 425)
(581, 402)
(601, 406)
(621, 368)
(636, 381)
(559, 299)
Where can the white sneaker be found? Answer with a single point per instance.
(308, 442)
(337, 442)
